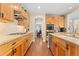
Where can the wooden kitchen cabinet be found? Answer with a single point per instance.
(17, 51)
(24, 47)
(17, 47)
(7, 11)
(72, 49)
(58, 21)
(61, 21)
(50, 20)
(26, 43)
(54, 49)
(58, 47)
(10, 53)
(61, 51)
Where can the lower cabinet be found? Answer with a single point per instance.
(60, 47)
(18, 47)
(24, 47)
(17, 51)
(72, 50)
(10, 53)
(61, 51)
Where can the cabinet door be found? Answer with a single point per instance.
(53, 46)
(55, 49)
(50, 20)
(61, 51)
(72, 50)
(24, 48)
(17, 51)
(61, 21)
(10, 53)
(7, 11)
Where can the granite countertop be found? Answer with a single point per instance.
(67, 38)
(7, 38)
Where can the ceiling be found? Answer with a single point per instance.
(50, 8)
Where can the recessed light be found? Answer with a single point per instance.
(70, 7)
(38, 7)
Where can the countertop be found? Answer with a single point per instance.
(7, 38)
(63, 36)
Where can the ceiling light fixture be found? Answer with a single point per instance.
(70, 7)
(38, 7)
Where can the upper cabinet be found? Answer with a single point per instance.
(24, 17)
(11, 11)
(58, 21)
(6, 11)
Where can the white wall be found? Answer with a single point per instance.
(70, 17)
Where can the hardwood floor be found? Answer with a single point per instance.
(38, 48)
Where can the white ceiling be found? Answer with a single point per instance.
(50, 8)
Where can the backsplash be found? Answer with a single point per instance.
(7, 28)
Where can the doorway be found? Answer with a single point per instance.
(38, 27)
(38, 30)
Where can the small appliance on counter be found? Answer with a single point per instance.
(62, 29)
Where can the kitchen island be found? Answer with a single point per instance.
(64, 44)
(15, 45)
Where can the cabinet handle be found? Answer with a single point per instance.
(26, 40)
(67, 46)
(14, 43)
(55, 45)
(14, 50)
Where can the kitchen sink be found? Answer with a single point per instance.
(72, 35)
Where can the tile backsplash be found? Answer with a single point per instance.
(7, 28)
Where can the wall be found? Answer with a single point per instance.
(70, 18)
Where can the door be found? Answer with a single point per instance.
(61, 51)
(71, 50)
(23, 47)
(17, 51)
(10, 53)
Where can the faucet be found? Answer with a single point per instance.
(74, 28)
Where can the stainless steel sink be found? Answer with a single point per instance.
(72, 35)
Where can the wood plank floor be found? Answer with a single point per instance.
(38, 48)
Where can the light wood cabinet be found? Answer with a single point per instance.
(17, 47)
(50, 20)
(10, 53)
(26, 44)
(72, 49)
(17, 51)
(24, 47)
(61, 47)
(7, 11)
(61, 51)
(58, 47)
(58, 21)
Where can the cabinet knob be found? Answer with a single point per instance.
(26, 40)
